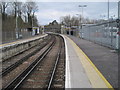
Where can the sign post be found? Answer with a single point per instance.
(118, 42)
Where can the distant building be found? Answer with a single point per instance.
(53, 27)
(73, 30)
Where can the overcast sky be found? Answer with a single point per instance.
(49, 11)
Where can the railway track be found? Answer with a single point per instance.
(16, 60)
(59, 75)
(41, 70)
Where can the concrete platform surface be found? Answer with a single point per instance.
(80, 71)
(22, 41)
(105, 59)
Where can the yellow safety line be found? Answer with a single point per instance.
(9, 43)
(17, 41)
(83, 56)
(107, 83)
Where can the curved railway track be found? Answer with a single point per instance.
(41, 69)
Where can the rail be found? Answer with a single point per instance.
(14, 84)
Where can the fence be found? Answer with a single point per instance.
(9, 36)
(104, 34)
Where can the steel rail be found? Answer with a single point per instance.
(55, 67)
(13, 66)
(19, 53)
(14, 84)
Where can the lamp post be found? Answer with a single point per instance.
(16, 27)
(82, 6)
(69, 27)
(79, 23)
(79, 18)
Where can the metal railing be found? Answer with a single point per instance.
(103, 33)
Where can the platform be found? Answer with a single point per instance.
(104, 58)
(10, 49)
(80, 71)
(22, 41)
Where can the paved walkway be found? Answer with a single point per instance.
(105, 59)
(80, 71)
(76, 72)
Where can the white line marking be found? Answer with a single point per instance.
(67, 71)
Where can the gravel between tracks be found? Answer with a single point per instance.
(39, 78)
(10, 76)
(18, 57)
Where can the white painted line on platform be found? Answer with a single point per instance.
(67, 70)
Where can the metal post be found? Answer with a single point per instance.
(108, 10)
(82, 16)
(69, 27)
(119, 25)
(79, 25)
(32, 23)
(32, 19)
(118, 40)
(111, 32)
(17, 35)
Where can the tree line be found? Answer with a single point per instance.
(12, 10)
(69, 20)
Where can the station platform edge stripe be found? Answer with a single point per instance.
(99, 73)
(14, 42)
(67, 71)
(8, 43)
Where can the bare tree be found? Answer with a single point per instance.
(17, 6)
(70, 21)
(66, 20)
(30, 8)
(75, 21)
(3, 6)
